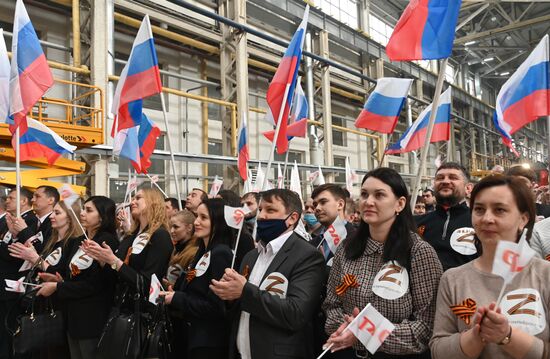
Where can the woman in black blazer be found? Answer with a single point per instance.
(52, 262)
(86, 292)
(144, 252)
(207, 328)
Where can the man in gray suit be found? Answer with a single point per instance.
(278, 290)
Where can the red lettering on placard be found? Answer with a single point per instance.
(334, 235)
(511, 258)
(367, 324)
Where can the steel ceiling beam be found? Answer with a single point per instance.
(503, 29)
(472, 16)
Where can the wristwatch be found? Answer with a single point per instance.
(114, 264)
(507, 338)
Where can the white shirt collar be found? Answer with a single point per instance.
(2, 215)
(43, 218)
(23, 213)
(275, 244)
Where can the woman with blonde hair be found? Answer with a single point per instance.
(145, 251)
(185, 244)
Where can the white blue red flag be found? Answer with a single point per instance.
(526, 95)
(297, 125)
(137, 144)
(30, 75)
(38, 140)
(425, 31)
(415, 135)
(139, 79)
(286, 75)
(382, 109)
(242, 151)
(4, 80)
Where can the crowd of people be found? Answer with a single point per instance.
(280, 287)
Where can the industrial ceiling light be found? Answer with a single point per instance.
(470, 43)
(489, 59)
(505, 73)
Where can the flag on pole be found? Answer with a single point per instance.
(242, 153)
(38, 140)
(248, 187)
(216, 186)
(139, 79)
(414, 136)
(425, 31)
(351, 176)
(511, 258)
(295, 184)
(68, 195)
(257, 187)
(234, 216)
(280, 178)
(16, 286)
(316, 178)
(335, 234)
(526, 95)
(297, 125)
(371, 328)
(4, 80)
(286, 75)
(154, 289)
(137, 144)
(382, 109)
(30, 75)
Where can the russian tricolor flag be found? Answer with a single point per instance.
(38, 140)
(425, 31)
(526, 95)
(286, 75)
(242, 152)
(382, 109)
(139, 79)
(30, 75)
(137, 144)
(297, 126)
(415, 135)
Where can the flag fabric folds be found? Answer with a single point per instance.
(414, 136)
(425, 31)
(511, 258)
(526, 95)
(30, 75)
(154, 289)
(295, 184)
(139, 79)
(4, 80)
(280, 177)
(297, 124)
(216, 186)
(38, 140)
(371, 328)
(286, 75)
(242, 152)
(234, 216)
(384, 105)
(351, 176)
(137, 144)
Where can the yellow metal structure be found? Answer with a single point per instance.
(75, 121)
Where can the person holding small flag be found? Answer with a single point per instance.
(83, 289)
(387, 265)
(206, 329)
(472, 319)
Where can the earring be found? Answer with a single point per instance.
(396, 213)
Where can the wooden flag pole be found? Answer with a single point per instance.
(433, 114)
(172, 159)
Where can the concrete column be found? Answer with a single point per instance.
(327, 107)
(369, 143)
(363, 10)
(102, 32)
(314, 150)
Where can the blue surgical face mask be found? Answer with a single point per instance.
(269, 229)
(310, 219)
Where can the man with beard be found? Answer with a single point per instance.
(251, 200)
(449, 228)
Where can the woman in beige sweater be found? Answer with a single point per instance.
(467, 324)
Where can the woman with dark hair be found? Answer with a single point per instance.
(84, 290)
(207, 333)
(468, 323)
(388, 265)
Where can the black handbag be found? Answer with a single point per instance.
(37, 330)
(159, 334)
(124, 333)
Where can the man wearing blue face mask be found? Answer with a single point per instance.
(313, 226)
(279, 286)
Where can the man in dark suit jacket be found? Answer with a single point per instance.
(43, 201)
(279, 288)
(3, 222)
